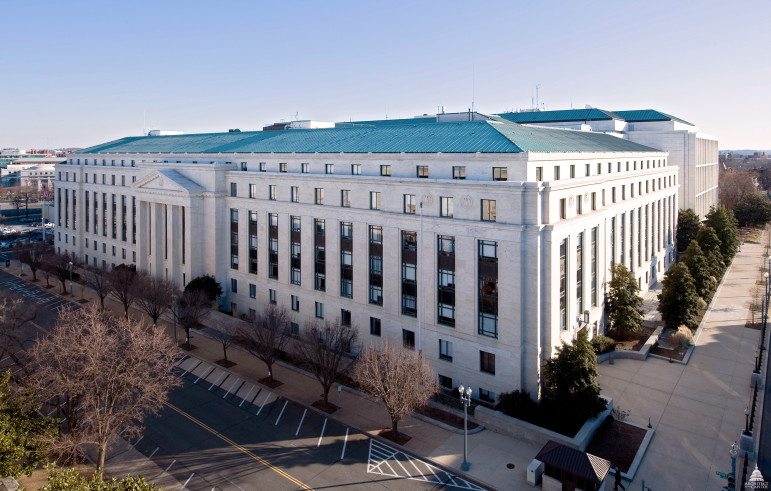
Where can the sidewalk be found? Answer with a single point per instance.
(697, 409)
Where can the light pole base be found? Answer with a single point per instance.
(465, 466)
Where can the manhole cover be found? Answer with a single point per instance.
(509, 466)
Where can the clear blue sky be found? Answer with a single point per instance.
(78, 73)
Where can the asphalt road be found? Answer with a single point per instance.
(222, 432)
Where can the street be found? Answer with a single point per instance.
(222, 432)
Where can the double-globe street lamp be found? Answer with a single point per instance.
(465, 399)
(733, 452)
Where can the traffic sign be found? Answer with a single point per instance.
(722, 475)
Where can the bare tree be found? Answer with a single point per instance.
(117, 370)
(59, 266)
(32, 254)
(124, 282)
(324, 350)
(224, 334)
(399, 377)
(154, 297)
(13, 315)
(194, 306)
(267, 336)
(733, 185)
(96, 278)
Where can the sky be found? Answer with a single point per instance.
(79, 73)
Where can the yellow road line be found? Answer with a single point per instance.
(36, 325)
(242, 449)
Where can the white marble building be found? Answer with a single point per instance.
(485, 244)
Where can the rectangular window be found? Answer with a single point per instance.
(234, 285)
(375, 265)
(253, 191)
(594, 267)
(355, 169)
(458, 171)
(346, 259)
(486, 395)
(556, 172)
(580, 274)
(588, 171)
(422, 171)
(487, 261)
(487, 362)
(613, 195)
(409, 273)
(572, 171)
(233, 189)
(345, 317)
(446, 280)
(304, 168)
(273, 246)
(345, 198)
(282, 167)
(445, 350)
(409, 204)
(272, 296)
(233, 238)
(329, 168)
(563, 284)
(445, 206)
(579, 204)
(295, 302)
(243, 166)
(295, 273)
(539, 173)
(408, 338)
(319, 310)
(445, 382)
(563, 209)
(320, 256)
(374, 326)
(385, 170)
(594, 201)
(488, 210)
(272, 192)
(295, 194)
(374, 200)
(263, 166)
(253, 242)
(319, 196)
(500, 173)
(252, 290)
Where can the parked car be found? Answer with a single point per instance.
(5, 245)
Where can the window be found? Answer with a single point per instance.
(374, 326)
(572, 171)
(500, 173)
(488, 210)
(243, 166)
(459, 172)
(295, 273)
(445, 206)
(355, 170)
(445, 350)
(580, 273)
(272, 296)
(304, 168)
(273, 246)
(282, 167)
(563, 284)
(409, 204)
(539, 173)
(234, 285)
(252, 242)
(563, 209)
(556, 172)
(487, 295)
(599, 168)
(487, 362)
(233, 189)
(588, 171)
(374, 200)
(446, 280)
(319, 310)
(594, 201)
(295, 303)
(409, 273)
(346, 259)
(234, 238)
(613, 194)
(329, 168)
(486, 395)
(319, 196)
(320, 256)
(252, 191)
(345, 317)
(272, 192)
(375, 265)
(263, 167)
(408, 338)
(385, 170)
(295, 194)
(579, 204)
(252, 290)
(345, 198)
(445, 382)
(422, 171)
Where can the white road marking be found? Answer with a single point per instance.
(191, 369)
(301, 423)
(345, 442)
(169, 467)
(231, 388)
(263, 404)
(151, 455)
(247, 395)
(322, 432)
(211, 369)
(188, 480)
(218, 379)
(281, 413)
(136, 442)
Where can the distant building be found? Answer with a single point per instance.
(36, 173)
(483, 242)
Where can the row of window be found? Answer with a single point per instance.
(94, 180)
(104, 162)
(650, 186)
(648, 164)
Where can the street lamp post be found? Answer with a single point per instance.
(70, 263)
(733, 452)
(465, 399)
(747, 420)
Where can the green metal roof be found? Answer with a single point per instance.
(455, 137)
(386, 122)
(640, 115)
(559, 116)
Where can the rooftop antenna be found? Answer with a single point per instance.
(537, 102)
(473, 85)
(297, 116)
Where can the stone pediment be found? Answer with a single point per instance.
(168, 181)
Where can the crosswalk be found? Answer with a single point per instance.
(34, 293)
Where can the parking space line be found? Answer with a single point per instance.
(182, 360)
(151, 455)
(322, 433)
(301, 422)
(169, 467)
(247, 395)
(281, 413)
(216, 382)
(263, 404)
(345, 442)
(140, 439)
(188, 480)
(191, 369)
(203, 375)
(231, 388)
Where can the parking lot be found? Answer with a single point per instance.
(222, 432)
